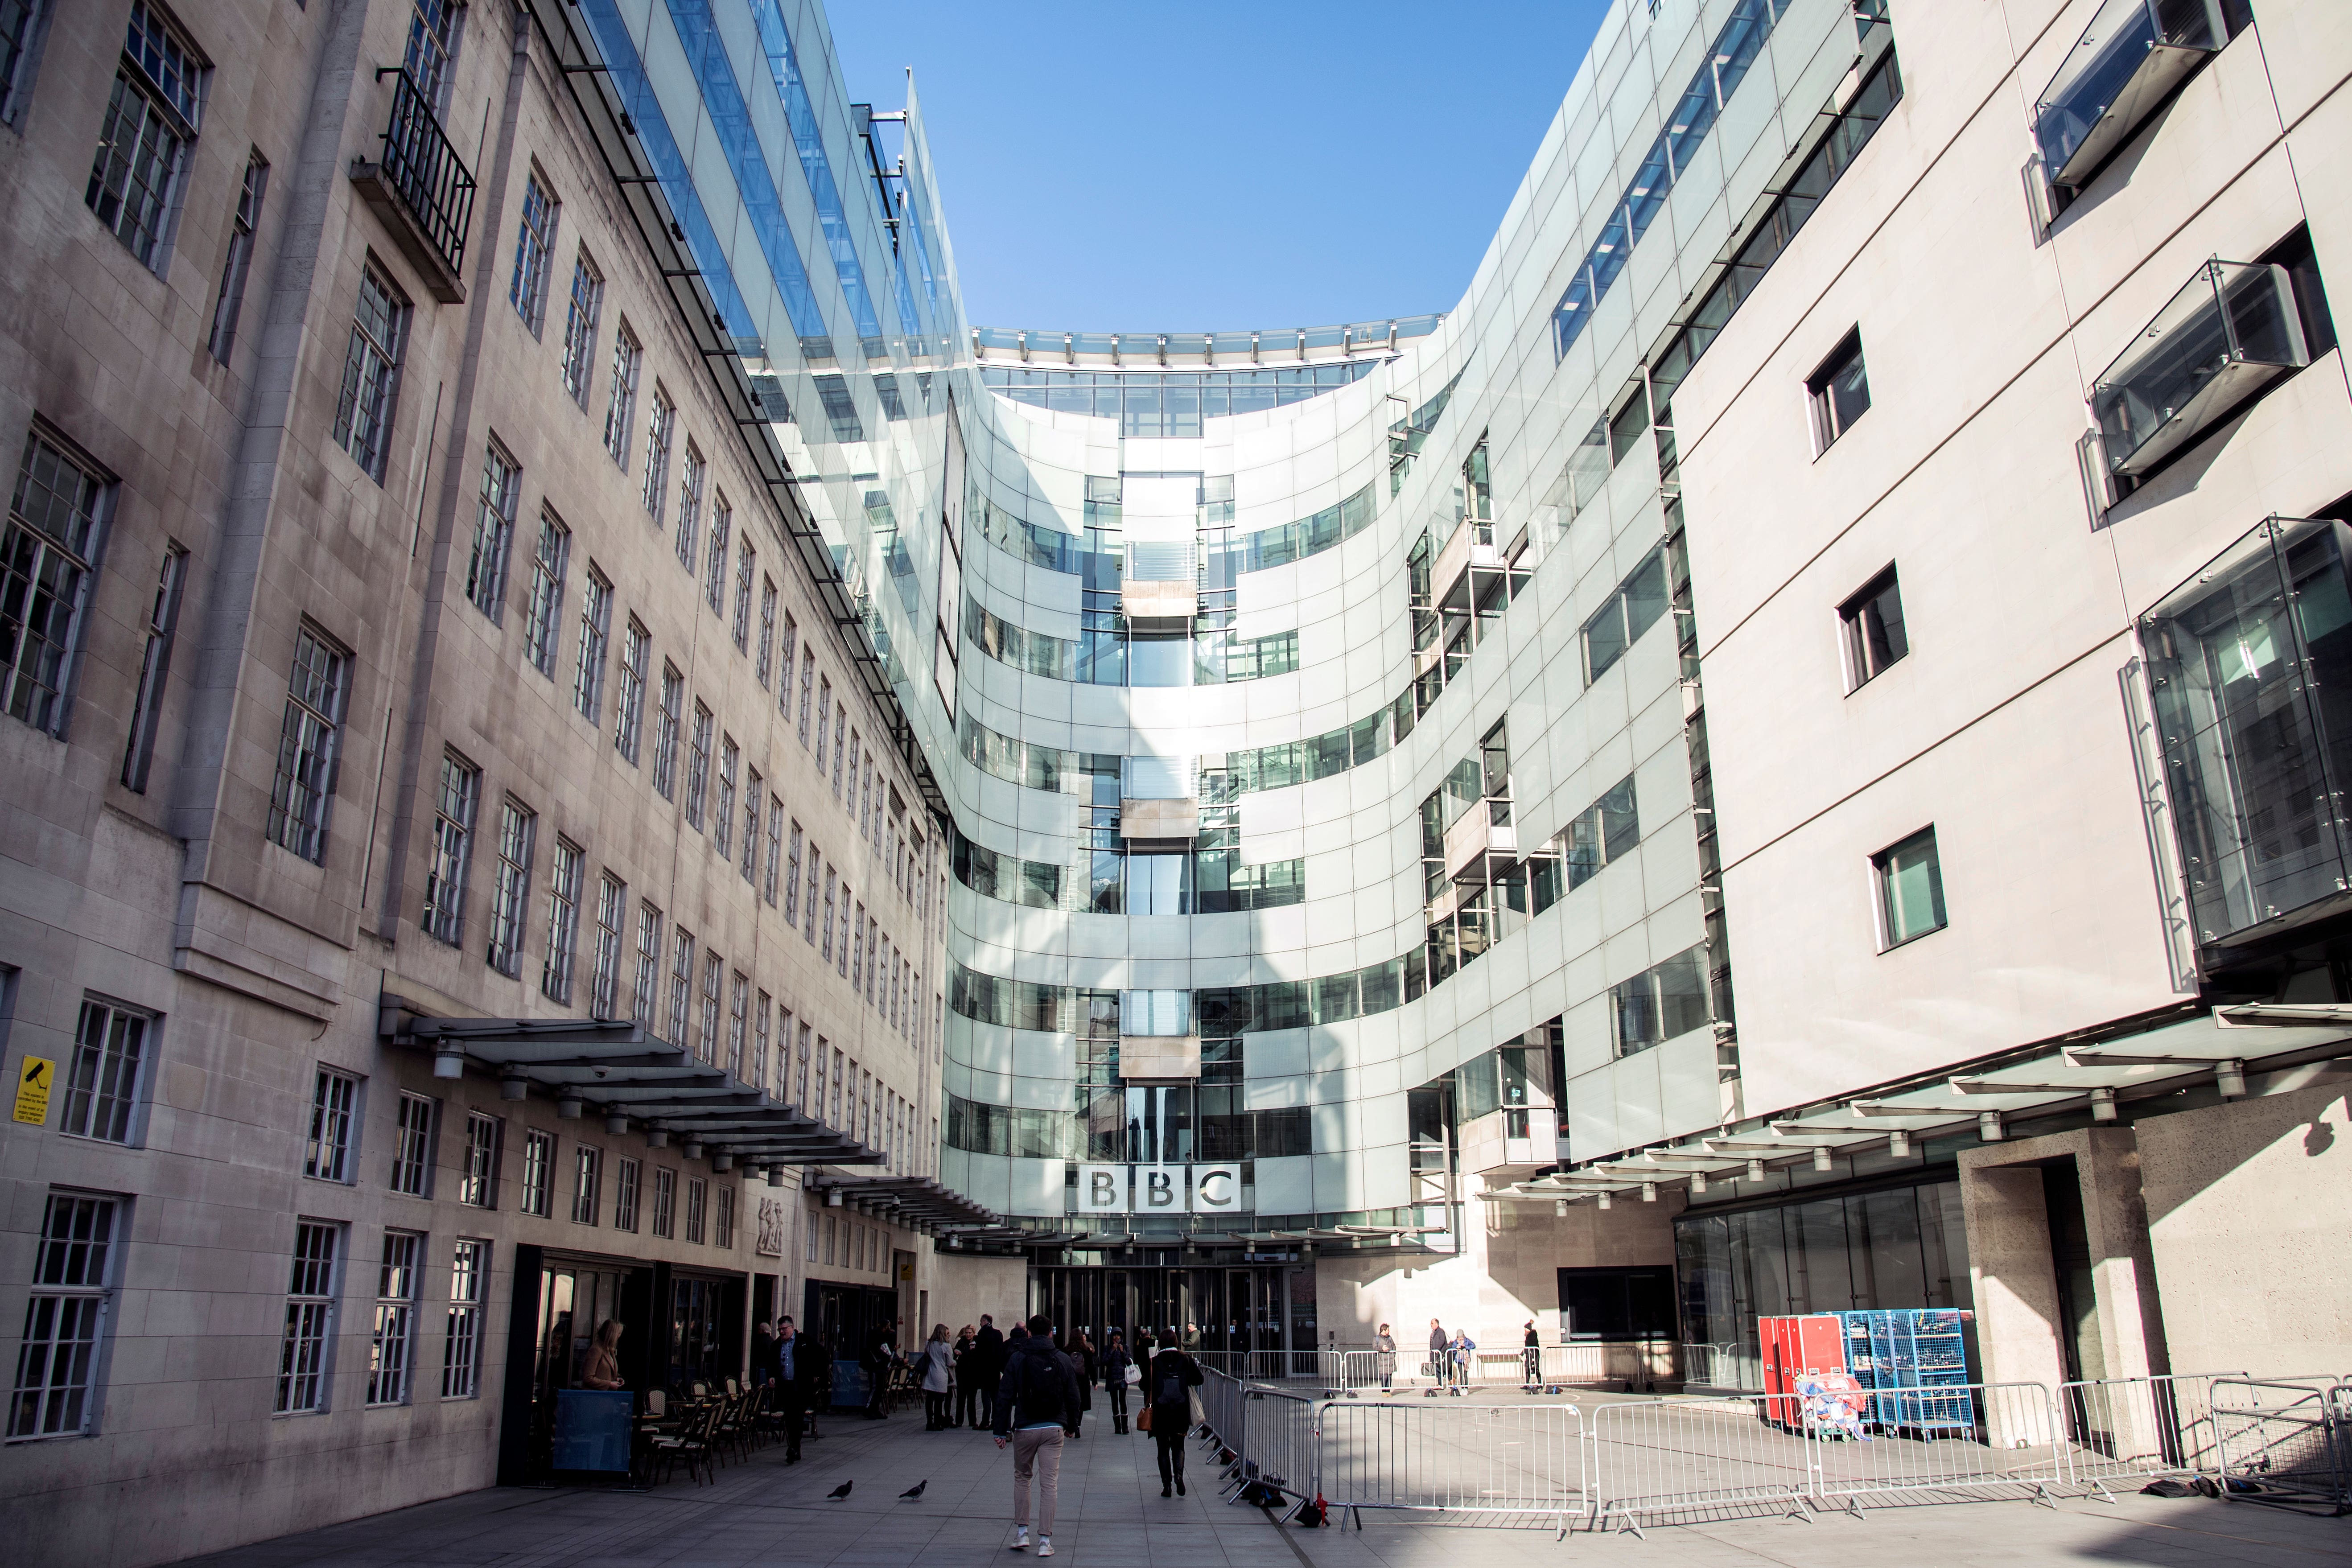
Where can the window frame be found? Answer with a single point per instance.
(534, 250)
(537, 1173)
(627, 1182)
(312, 1294)
(543, 614)
(587, 1182)
(510, 890)
(372, 366)
(170, 79)
(392, 1332)
(1884, 872)
(332, 1127)
(461, 1349)
(105, 1094)
(236, 266)
(583, 310)
(477, 1180)
(1829, 416)
(563, 918)
(154, 667)
(415, 1118)
(39, 674)
(1857, 645)
(78, 1290)
(309, 735)
(593, 647)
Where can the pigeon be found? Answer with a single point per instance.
(837, 1493)
(911, 1493)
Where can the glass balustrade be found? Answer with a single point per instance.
(2135, 54)
(2232, 329)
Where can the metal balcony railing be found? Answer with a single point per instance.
(422, 171)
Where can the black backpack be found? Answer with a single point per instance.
(1170, 1388)
(1041, 1386)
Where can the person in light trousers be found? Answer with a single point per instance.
(1036, 1409)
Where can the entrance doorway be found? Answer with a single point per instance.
(1219, 1310)
(573, 1299)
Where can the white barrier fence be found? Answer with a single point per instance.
(2128, 1431)
(1490, 1463)
(2291, 1437)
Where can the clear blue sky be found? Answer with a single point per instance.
(1117, 166)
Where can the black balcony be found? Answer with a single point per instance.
(420, 190)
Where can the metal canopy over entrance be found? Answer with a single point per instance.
(915, 1202)
(611, 1069)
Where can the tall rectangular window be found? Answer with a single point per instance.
(510, 895)
(625, 1194)
(765, 663)
(154, 664)
(738, 1018)
(670, 710)
(538, 1172)
(432, 42)
(621, 408)
(1874, 637)
(595, 635)
(334, 1104)
(412, 1146)
(363, 408)
(305, 782)
(840, 729)
(697, 766)
(681, 987)
(494, 522)
(477, 1186)
(646, 997)
(453, 834)
(74, 1273)
(776, 849)
(1839, 391)
(825, 930)
(109, 1073)
(698, 1196)
(746, 564)
(760, 1041)
(543, 611)
(629, 709)
(665, 1202)
(19, 21)
(151, 121)
(808, 679)
(1910, 889)
(461, 1353)
(309, 1322)
(587, 1183)
(714, 576)
(793, 879)
(580, 326)
(564, 873)
(55, 517)
(753, 789)
(661, 427)
(230, 303)
(611, 922)
(808, 926)
(692, 477)
(392, 1346)
(724, 1226)
(824, 719)
(534, 252)
(722, 822)
(713, 972)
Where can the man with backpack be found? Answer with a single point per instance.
(1173, 1377)
(988, 1346)
(1036, 1409)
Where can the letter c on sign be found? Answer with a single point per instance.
(1219, 1196)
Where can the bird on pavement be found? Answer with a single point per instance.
(837, 1493)
(911, 1493)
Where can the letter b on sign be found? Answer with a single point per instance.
(1102, 1189)
(1159, 1189)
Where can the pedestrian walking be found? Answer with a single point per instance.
(1464, 1347)
(990, 1344)
(1114, 1365)
(1036, 1409)
(1384, 1354)
(1441, 1352)
(795, 1368)
(1174, 1376)
(936, 1369)
(1534, 1346)
(1081, 1353)
(966, 1409)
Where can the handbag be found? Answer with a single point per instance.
(1143, 1419)
(1134, 1374)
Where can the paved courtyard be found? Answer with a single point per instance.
(761, 1512)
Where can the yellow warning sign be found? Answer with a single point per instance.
(34, 1077)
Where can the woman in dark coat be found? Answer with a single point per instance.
(1082, 1351)
(1115, 1362)
(1174, 1377)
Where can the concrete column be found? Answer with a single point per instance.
(2014, 1282)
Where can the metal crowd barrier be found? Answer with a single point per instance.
(1482, 1462)
(1279, 1447)
(2129, 1430)
(1699, 1458)
(2292, 1437)
(1961, 1442)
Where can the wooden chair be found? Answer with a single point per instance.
(692, 1442)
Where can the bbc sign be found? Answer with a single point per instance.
(1159, 1189)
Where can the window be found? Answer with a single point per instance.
(1631, 610)
(762, 1041)
(722, 824)
(714, 576)
(681, 985)
(753, 788)
(666, 719)
(66, 1317)
(625, 1195)
(665, 1202)
(808, 675)
(1839, 391)
(1874, 638)
(364, 409)
(1662, 1003)
(412, 1146)
(840, 410)
(746, 562)
(841, 948)
(143, 149)
(154, 664)
(109, 1061)
(510, 897)
(478, 1186)
(1910, 889)
(587, 1183)
(391, 1349)
(793, 880)
(660, 427)
(334, 1101)
(306, 746)
(494, 521)
(765, 662)
(20, 23)
(697, 1196)
(713, 973)
(563, 921)
(55, 519)
(824, 931)
(538, 1172)
(808, 930)
(580, 326)
(1617, 1303)
(738, 1008)
(629, 710)
(621, 411)
(595, 632)
(697, 766)
(725, 1238)
(776, 850)
(543, 612)
(689, 514)
(453, 833)
(229, 304)
(461, 1354)
(309, 1320)
(432, 25)
(612, 922)
(649, 986)
(534, 252)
